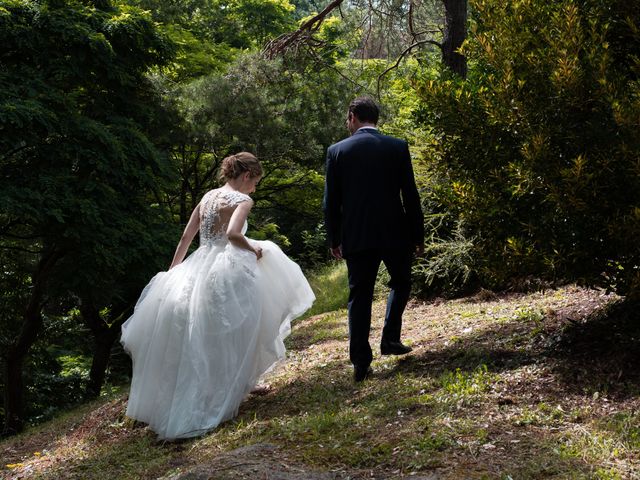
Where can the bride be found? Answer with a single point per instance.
(203, 332)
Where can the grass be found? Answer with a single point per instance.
(329, 283)
(531, 387)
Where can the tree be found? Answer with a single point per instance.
(394, 17)
(76, 166)
(454, 35)
(209, 34)
(285, 112)
(540, 145)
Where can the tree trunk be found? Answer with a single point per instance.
(184, 214)
(14, 384)
(455, 32)
(104, 336)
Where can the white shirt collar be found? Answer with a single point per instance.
(362, 128)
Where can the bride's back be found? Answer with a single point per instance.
(216, 208)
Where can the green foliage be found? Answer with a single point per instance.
(447, 265)
(527, 314)
(626, 425)
(260, 20)
(77, 166)
(463, 386)
(269, 231)
(315, 246)
(195, 56)
(539, 146)
(58, 368)
(209, 34)
(284, 112)
(304, 8)
(333, 39)
(77, 121)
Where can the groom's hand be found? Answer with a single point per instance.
(337, 252)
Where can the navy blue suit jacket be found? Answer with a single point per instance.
(370, 198)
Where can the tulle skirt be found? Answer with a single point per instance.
(204, 332)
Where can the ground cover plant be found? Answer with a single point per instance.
(537, 385)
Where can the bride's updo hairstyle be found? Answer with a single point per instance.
(235, 165)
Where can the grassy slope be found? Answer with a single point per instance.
(511, 386)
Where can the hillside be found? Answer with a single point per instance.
(510, 386)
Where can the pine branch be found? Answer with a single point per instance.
(300, 36)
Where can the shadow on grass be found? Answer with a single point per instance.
(394, 420)
(331, 326)
(499, 347)
(465, 359)
(399, 413)
(602, 352)
(369, 421)
(320, 388)
(134, 453)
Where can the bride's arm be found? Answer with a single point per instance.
(187, 236)
(236, 223)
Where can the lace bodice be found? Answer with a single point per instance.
(216, 209)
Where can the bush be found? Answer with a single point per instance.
(447, 268)
(540, 144)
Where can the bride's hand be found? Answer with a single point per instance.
(258, 251)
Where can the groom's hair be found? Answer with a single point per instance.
(365, 109)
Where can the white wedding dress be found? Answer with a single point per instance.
(204, 332)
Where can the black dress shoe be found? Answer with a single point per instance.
(361, 373)
(394, 348)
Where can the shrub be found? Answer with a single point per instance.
(540, 144)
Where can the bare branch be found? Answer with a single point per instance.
(404, 54)
(367, 19)
(424, 32)
(20, 249)
(380, 12)
(20, 237)
(326, 64)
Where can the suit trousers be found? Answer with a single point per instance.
(363, 269)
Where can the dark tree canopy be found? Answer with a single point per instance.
(76, 163)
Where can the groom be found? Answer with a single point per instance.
(372, 214)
